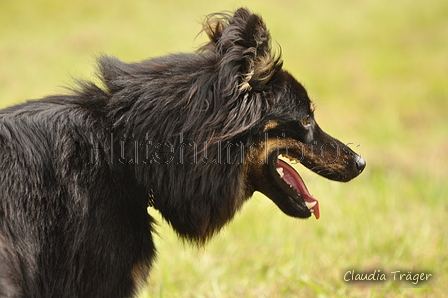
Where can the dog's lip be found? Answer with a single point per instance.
(292, 183)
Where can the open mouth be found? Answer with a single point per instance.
(290, 181)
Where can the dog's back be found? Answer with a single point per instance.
(53, 220)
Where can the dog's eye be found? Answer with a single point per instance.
(306, 121)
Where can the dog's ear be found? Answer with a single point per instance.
(242, 43)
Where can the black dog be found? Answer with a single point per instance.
(192, 135)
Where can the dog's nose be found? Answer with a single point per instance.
(360, 163)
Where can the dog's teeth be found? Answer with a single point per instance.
(310, 205)
(280, 172)
(312, 210)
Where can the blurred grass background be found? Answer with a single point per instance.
(378, 71)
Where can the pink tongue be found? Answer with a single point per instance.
(293, 178)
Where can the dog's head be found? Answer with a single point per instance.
(223, 117)
(272, 106)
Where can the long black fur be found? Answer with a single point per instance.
(79, 171)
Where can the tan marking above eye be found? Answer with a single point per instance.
(312, 107)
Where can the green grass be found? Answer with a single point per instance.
(377, 70)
